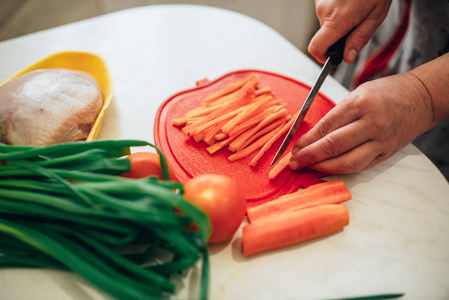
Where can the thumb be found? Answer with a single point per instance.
(358, 39)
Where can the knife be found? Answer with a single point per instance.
(335, 57)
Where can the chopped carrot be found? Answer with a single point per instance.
(248, 137)
(251, 148)
(199, 137)
(251, 122)
(224, 117)
(331, 192)
(231, 88)
(264, 90)
(221, 136)
(279, 166)
(221, 144)
(179, 121)
(201, 111)
(248, 112)
(244, 95)
(292, 227)
(246, 116)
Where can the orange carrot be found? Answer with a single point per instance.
(264, 90)
(331, 192)
(248, 112)
(244, 95)
(179, 121)
(221, 136)
(248, 137)
(212, 132)
(251, 148)
(279, 166)
(225, 117)
(293, 227)
(219, 145)
(201, 111)
(267, 146)
(231, 88)
(251, 122)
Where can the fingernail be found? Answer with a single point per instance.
(352, 55)
(293, 165)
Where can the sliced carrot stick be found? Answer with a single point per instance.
(248, 112)
(267, 146)
(251, 148)
(251, 122)
(219, 145)
(282, 115)
(225, 117)
(331, 192)
(199, 137)
(201, 111)
(279, 166)
(264, 90)
(179, 121)
(244, 95)
(293, 227)
(221, 136)
(231, 88)
(220, 101)
(248, 137)
(212, 132)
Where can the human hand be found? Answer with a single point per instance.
(338, 17)
(370, 125)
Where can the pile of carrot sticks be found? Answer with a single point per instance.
(240, 118)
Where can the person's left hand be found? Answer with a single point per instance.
(371, 124)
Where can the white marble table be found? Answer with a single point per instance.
(398, 239)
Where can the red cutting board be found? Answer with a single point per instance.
(189, 159)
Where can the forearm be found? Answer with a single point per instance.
(433, 80)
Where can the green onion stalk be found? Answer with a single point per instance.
(64, 207)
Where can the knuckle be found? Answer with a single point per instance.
(350, 166)
(306, 157)
(331, 146)
(324, 127)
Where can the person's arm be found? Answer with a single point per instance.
(338, 17)
(376, 120)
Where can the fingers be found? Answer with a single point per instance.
(336, 144)
(360, 158)
(339, 18)
(344, 113)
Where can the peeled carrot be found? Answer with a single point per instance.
(331, 192)
(279, 166)
(293, 227)
(231, 88)
(264, 90)
(179, 121)
(251, 148)
(246, 116)
(247, 138)
(248, 112)
(245, 94)
(250, 123)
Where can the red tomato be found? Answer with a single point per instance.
(144, 164)
(222, 199)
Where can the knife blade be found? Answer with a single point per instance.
(335, 57)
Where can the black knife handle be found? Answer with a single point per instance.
(335, 52)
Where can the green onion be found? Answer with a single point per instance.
(64, 207)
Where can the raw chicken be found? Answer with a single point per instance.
(48, 106)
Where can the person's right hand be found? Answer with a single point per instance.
(338, 17)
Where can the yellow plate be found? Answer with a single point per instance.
(79, 61)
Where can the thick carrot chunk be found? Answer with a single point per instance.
(293, 227)
(331, 192)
